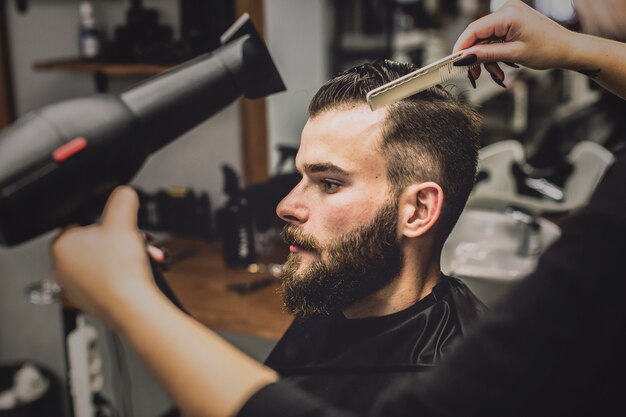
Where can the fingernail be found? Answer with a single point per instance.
(469, 75)
(511, 64)
(498, 81)
(156, 253)
(466, 60)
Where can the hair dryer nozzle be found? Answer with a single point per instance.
(172, 103)
(262, 77)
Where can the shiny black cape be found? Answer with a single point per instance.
(349, 361)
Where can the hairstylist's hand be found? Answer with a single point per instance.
(101, 267)
(530, 39)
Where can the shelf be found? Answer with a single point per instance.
(100, 70)
(108, 68)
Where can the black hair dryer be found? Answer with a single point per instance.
(59, 164)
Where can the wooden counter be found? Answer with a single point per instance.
(200, 280)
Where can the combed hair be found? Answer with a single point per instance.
(430, 136)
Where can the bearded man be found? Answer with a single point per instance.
(379, 194)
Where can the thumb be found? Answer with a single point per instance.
(121, 209)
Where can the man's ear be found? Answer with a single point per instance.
(419, 208)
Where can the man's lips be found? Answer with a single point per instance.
(297, 249)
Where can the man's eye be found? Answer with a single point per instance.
(329, 186)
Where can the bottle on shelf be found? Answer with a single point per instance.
(90, 36)
(235, 223)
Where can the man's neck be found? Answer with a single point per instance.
(412, 285)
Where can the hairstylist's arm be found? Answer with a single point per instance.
(104, 270)
(533, 40)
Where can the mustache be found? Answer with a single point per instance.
(294, 236)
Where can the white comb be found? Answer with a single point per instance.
(419, 80)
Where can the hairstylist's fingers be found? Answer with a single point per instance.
(121, 209)
(475, 72)
(497, 75)
(497, 52)
(515, 33)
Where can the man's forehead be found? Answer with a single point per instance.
(349, 119)
(346, 138)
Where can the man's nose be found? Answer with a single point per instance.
(292, 208)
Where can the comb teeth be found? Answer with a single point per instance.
(449, 71)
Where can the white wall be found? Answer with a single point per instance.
(297, 36)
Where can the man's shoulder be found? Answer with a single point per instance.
(301, 335)
(455, 283)
(467, 305)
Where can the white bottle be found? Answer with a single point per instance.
(89, 37)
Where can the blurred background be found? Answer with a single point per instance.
(546, 141)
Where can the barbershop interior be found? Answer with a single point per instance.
(219, 154)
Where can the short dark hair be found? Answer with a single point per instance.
(430, 136)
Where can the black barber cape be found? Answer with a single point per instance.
(348, 362)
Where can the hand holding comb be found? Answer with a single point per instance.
(419, 80)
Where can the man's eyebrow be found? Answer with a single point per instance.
(325, 167)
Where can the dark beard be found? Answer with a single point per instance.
(358, 264)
